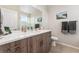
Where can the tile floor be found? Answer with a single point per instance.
(63, 49)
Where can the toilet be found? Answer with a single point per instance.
(54, 39)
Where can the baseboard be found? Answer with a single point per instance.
(67, 45)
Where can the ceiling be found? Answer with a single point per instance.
(29, 9)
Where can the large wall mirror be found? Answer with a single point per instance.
(31, 18)
(20, 16)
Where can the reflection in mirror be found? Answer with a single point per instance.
(32, 17)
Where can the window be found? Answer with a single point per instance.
(24, 21)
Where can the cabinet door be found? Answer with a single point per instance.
(12, 47)
(24, 45)
(33, 44)
(5, 48)
(39, 44)
(30, 45)
(16, 46)
(46, 40)
(36, 44)
(19, 46)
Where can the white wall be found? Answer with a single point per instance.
(55, 25)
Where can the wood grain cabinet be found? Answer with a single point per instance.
(19, 46)
(24, 45)
(46, 41)
(5, 48)
(15, 47)
(39, 43)
(35, 44)
(30, 45)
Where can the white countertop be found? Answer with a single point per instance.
(18, 35)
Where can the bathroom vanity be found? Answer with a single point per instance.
(26, 42)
